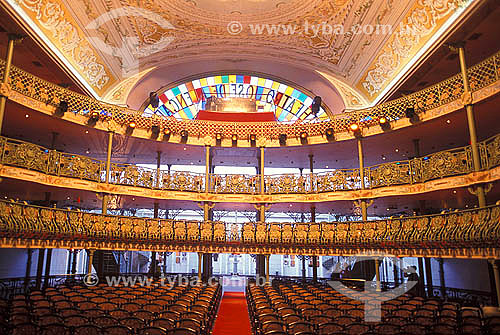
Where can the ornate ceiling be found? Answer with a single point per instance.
(363, 48)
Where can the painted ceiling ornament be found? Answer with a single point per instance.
(424, 20)
(49, 15)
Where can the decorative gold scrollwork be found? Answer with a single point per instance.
(459, 229)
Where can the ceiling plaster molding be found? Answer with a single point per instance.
(414, 37)
(62, 33)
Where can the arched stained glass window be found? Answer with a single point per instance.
(236, 93)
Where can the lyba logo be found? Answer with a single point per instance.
(373, 296)
(131, 49)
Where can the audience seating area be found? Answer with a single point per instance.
(295, 308)
(114, 310)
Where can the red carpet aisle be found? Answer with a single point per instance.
(233, 315)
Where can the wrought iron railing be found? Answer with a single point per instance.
(417, 170)
(480, 75)
(461, 229)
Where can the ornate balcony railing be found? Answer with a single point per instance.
(476, 228)
(418, 170)
(480, 75)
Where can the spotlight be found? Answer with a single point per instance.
(166, 134)
(234, 139)
(154, 101)
(411, 114)
(253, 140)
(303, 137)
(316, 105)
(184, 136)
(330, 134)
(218, 136)
(384, 123)
(155, 132)
(130, 128)
(283, 139)
(93, 118)
(61, 109)
(355, 129)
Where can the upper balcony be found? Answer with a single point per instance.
(432, 102)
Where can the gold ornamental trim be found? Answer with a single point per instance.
(467, 180)
(441, 170)
(437, 100)
(459, 234)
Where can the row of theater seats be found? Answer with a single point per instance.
(302, 309)
(115, 310)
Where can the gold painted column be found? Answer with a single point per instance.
(4, 85)
(267, 269)
(200, 267)
(364, 212)
(108, 172)
(156, 204)
(91, 260)
(158, 171)
(261, 168)
(207, 169)
(467, 99)
(311, 171)
(497, 279)
(262, 213)
(262, 208)
(377, 274)
(314, 258)
(206, 211)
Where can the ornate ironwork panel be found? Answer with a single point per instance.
(234, 183)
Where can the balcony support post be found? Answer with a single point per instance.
(496, 273)
(156, 204)
(28, 267)
(158, 171)
(363, 204)
(200, 267)
(91, 260)
(377, 274)
(314, 258)
(467, 99)
(4, 85)
(207, 168)
(267, 269)
(261, 171)
(108, 171)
